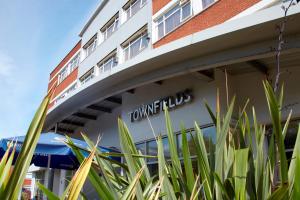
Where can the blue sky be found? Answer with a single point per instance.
(34, 36)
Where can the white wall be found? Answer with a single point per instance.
(250, 86)
(106, 124)
(125, 30)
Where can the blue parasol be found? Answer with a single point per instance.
(51, 151)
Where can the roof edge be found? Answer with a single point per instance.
(93, 16)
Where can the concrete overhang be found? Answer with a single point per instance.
(234, 41)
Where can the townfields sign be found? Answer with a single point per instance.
(172, 102)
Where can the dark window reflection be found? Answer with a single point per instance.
(209, 136)
(152, 150)
(141, 147)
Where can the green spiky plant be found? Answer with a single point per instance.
(239, 167)
(12, 177)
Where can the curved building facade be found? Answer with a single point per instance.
(135, 55)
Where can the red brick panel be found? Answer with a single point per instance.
(65, 83)
(66, 59)
(214, 15)
(52, 82)
(158, 4)
(50, 105)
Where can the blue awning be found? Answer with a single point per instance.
(51, 147)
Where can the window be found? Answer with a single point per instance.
(68, 178)
(66, 71)
(88, 76)
(136, 45)
(91, 46)
(74, 62)
(110, 27)
(206, 3)
(63, 74)
(290, 138)
(66, 93)
(149, 147)
(173, 18)
(108, 63)
(132, 7)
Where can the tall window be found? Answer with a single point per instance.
(87, 76)
(173, 18)
(132, 7)
(91, 46)
(136, 45)
(110, 27)
(108, 63)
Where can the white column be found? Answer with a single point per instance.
(47, 175)
(62, 180)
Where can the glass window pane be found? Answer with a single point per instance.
(172, 22)
(127, 13)
(144, 43)
(141, 147)
(209, 135)
(107, 65)
(135, 48)
(115, 62)
(190, 141)
(126, 53)
(206, 3)
(160, 30)
(186, 11)
(166, 147)
(135, 7)
(152, 150)
(153, 169)
(109, 31)
(170, 12)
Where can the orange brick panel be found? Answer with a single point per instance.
(158, 4)
(218, 13)
(66, 59)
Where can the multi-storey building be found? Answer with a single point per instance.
(134, 55)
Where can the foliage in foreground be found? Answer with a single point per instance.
(240, 166)
(12, 177)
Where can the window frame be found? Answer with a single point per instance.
(162, 18)
(176, 134)
(91, 44)
(113, 22)
(138, 38)
(89, 75)
(113, 58)
(129, 5)
(69, 68)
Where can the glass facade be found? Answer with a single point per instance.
(149, 147)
